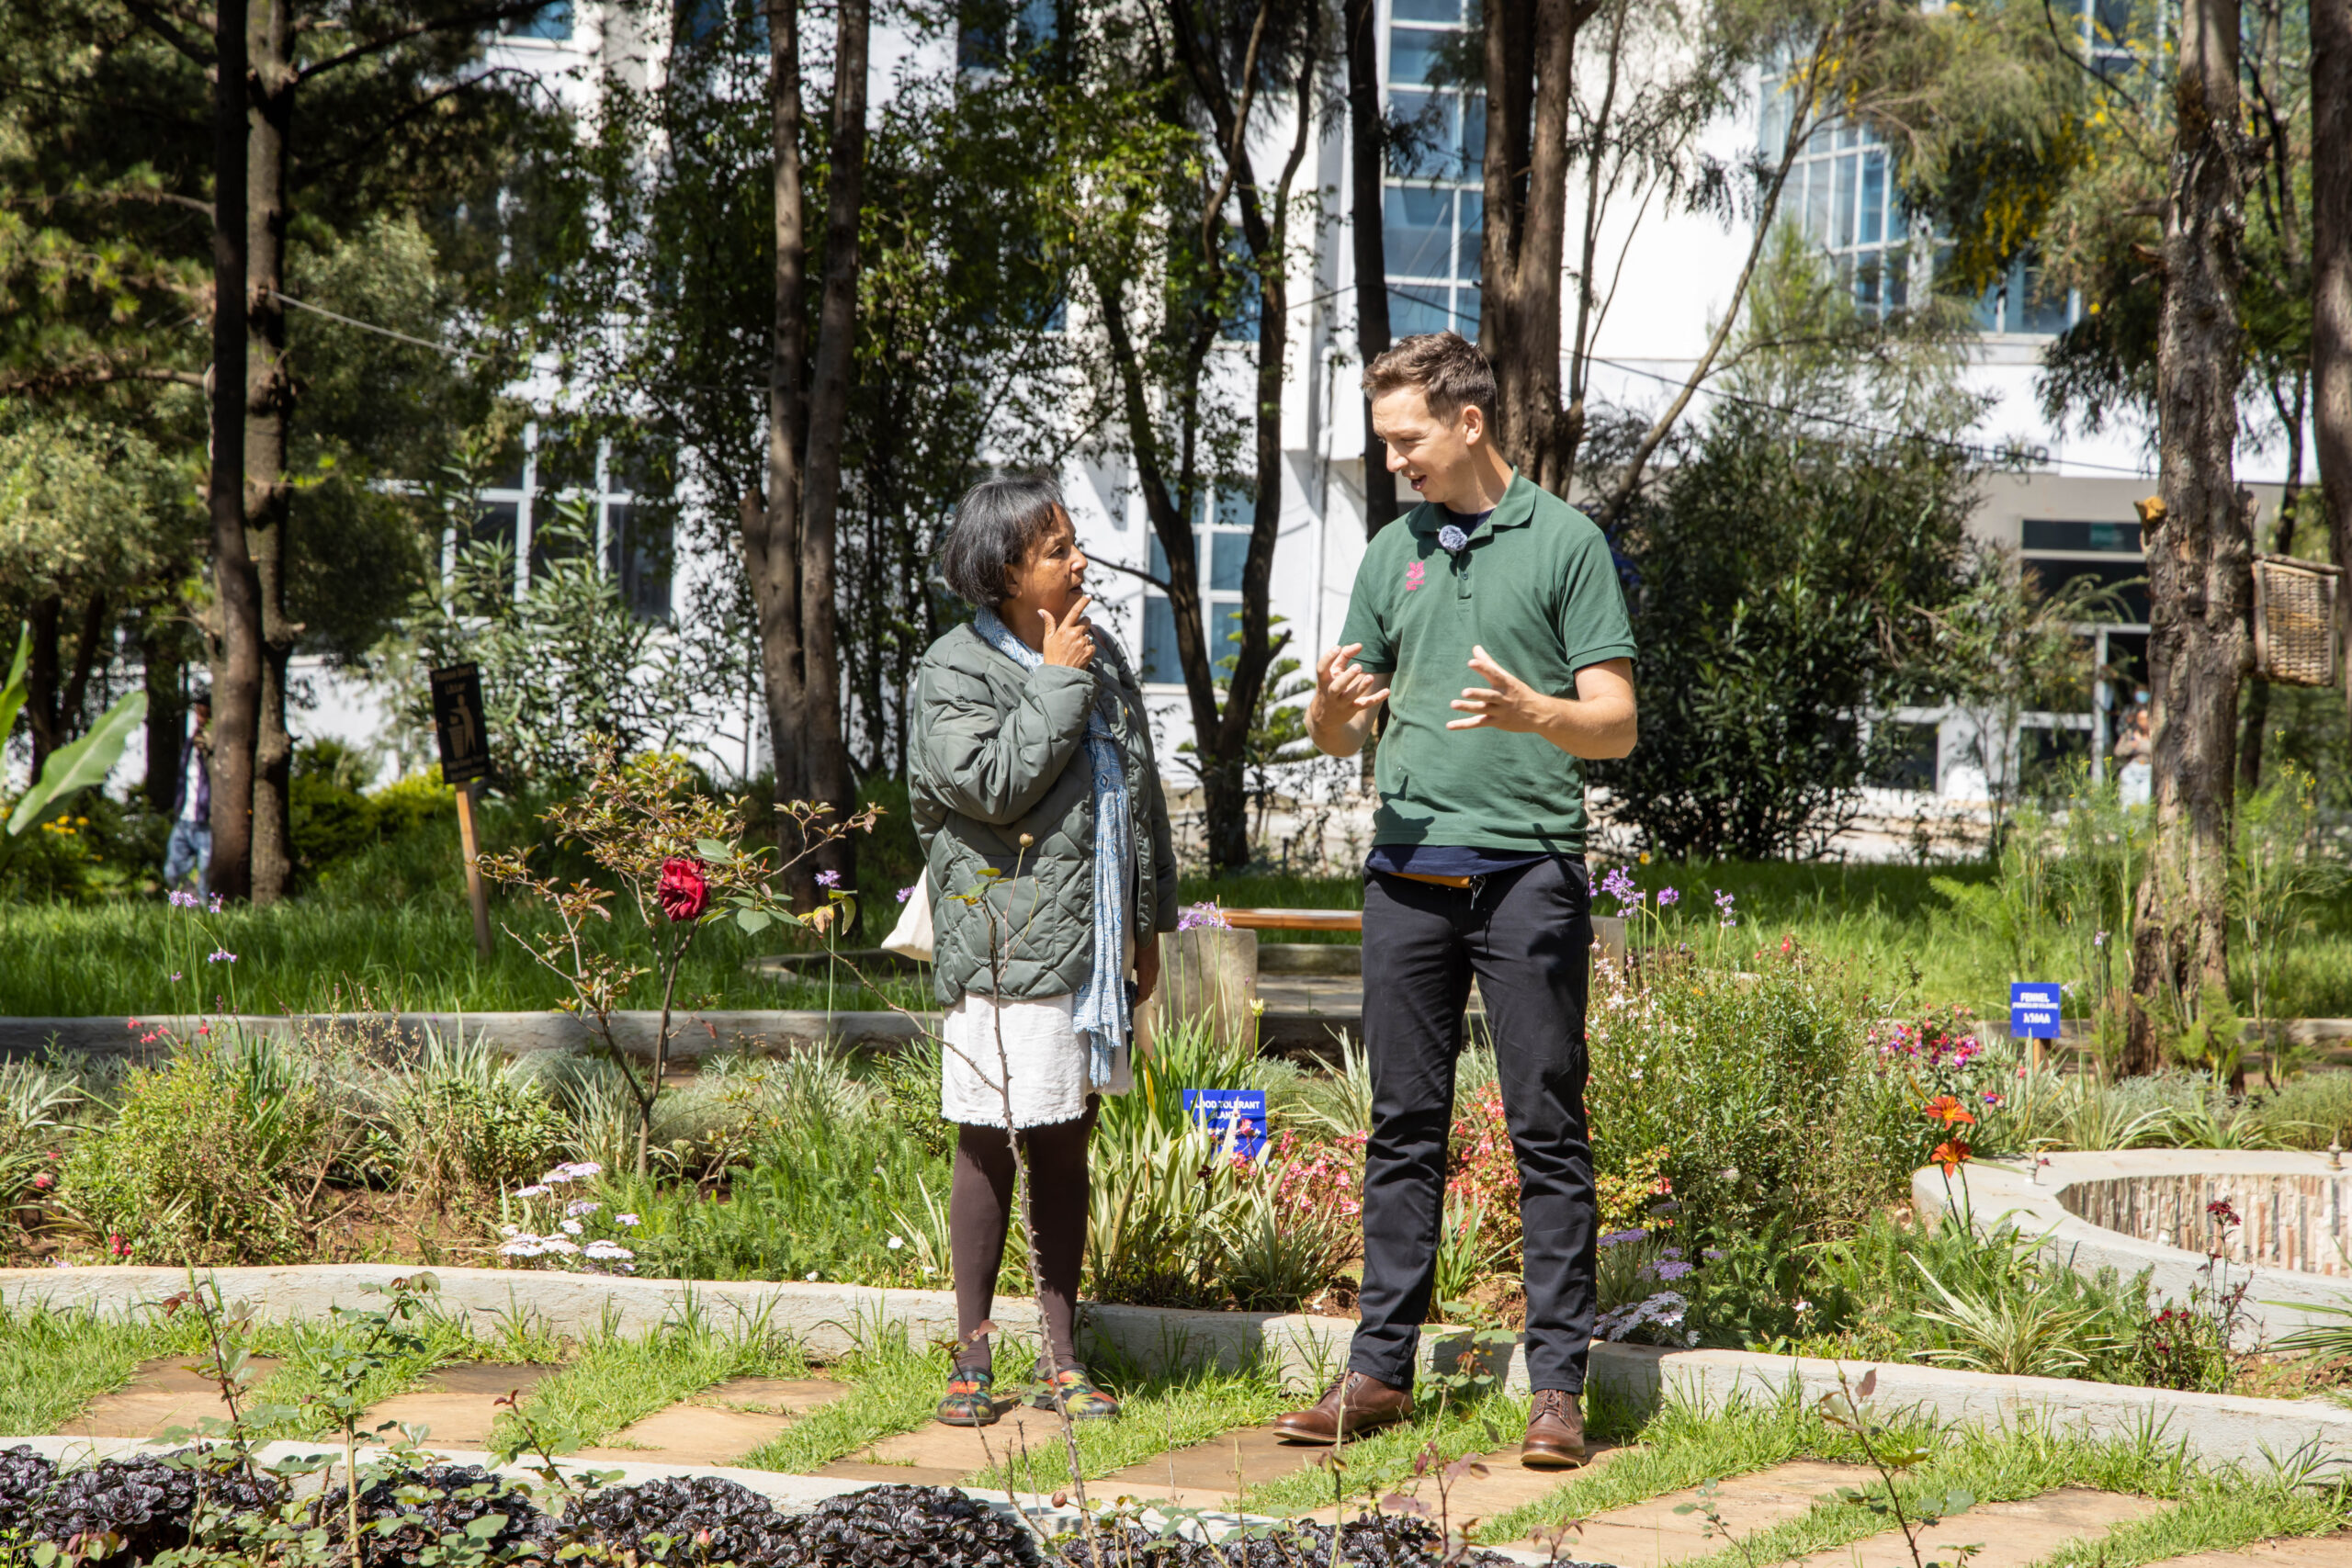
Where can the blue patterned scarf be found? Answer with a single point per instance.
(1099, 1012)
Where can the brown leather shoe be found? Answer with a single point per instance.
(1554, 1432)
(1356, 1404)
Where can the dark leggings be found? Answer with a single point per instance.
(980, 1212)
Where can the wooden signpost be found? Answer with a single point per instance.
(465, 761)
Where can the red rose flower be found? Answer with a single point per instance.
(683, 893)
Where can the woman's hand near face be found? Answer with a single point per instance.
(1069, 642)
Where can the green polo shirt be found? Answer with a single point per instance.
(1536, 588)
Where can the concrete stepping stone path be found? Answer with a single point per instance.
(457, 1406)
(1650, 1534)
(934, 1455)
(1506, 1484)
(1217, 1468)
(721, 1424)
(2298, 1552)
(160, 1394)
(2012, 1535)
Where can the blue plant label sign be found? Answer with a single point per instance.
(1224, 1109)
(2033, 1009)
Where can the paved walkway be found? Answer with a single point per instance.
(728, 1421)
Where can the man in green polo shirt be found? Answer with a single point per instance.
(1490, 622)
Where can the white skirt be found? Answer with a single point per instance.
(1047, 1059)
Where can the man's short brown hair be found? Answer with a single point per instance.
(1449, 370)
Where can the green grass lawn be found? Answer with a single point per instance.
(389, 929)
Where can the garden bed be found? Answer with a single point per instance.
(2127, 1211)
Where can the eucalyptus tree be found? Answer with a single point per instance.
(690, 334)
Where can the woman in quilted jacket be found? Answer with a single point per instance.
(1052, 873)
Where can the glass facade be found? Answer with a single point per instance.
(1222, 536)
(554, 485)
(1431, 209)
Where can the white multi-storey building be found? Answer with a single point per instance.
(2068, 514)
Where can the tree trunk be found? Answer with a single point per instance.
(44, 673)
(1367, 161)
(270, 407)
(789, 533)
(234, 630)
(829, 771)
(2330, 27)
(771, 522)
(1221, 738)
(159, 659)
(2199, 549)
(1530, 49)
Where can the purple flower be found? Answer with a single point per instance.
(1729, 917)
(905, 894)
(829, 879)
(1203, 916)
(1670, 1271)
(1619, 884)
(221, 955)
(186, 901)
(1451, 539)
(1668, 896)
(1616, 1239)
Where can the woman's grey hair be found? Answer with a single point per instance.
(996, 524)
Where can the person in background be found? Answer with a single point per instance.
(1490, 622)
(190, 845)
(1053, 871)
(2135, 778)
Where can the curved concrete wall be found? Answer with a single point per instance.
(2151, 1190)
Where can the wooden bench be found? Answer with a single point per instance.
(1609, 930)
(1295, 919)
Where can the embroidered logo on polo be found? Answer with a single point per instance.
(1414, 573)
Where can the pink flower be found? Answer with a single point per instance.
(683, 892)
(43, 1183)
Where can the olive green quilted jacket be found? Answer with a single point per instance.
(998, 755)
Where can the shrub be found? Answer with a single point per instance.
(211, 1158)
(327, 821)
(413, 802)
(465, 1120)
(33, 1102)
(1763, 1086)
(405, 1515)
(149, 1502)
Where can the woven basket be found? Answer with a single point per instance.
(2294, 620)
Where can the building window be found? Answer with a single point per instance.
(1222, 538)
(2059, 552)
(552, 476)
(1432, 211)
(551, 22)
(1841, 193)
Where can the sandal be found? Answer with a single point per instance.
(1079, 1396)
(968, 1401)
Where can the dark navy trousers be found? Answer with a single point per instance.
(1525, 935)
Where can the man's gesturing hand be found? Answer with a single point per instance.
(1343, 689)
(1505, 702)
(1346, 699)
(1071, 640)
